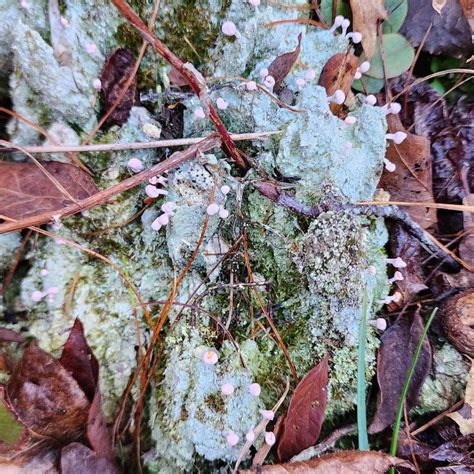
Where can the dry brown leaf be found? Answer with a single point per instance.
(338, 73)
(366, 14)
(412, 178)
(46, 398)
(393, 362)
(281, 66)
(116, 72)
(464, 417)
(77, 458)
(78, 359)
(468, 7)
(344, 462)
(408, 248)
(26, 191)
(305, 415)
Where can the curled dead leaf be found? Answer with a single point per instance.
(46, 398)
(116, 72)
(354, 462)
(78, 359)
(305, 416)
(408, 248)
(338, 73)
(450, 32)
(281, 66)
(26, 191)
(393, 362)
(366, 15)
(412, 178)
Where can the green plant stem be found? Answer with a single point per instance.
(361, 385)
(406, 384)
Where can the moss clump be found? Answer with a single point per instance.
(191, 28)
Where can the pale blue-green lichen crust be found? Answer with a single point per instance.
(317, 269)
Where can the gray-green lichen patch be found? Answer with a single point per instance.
(55, 59)
(193, 415)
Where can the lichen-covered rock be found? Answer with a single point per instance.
(311, 274)
(194, 414)
(55, 57)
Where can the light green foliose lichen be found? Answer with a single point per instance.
(193, 415)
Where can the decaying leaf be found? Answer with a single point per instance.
(411, 180)
(281, 66)
(46, 398)
(57, 402)
(465, 416)
(393, 362)
(450, 32)
(116, 72)
(458, 321)
(76, 454)
(366, 14)
(452, 144)
(408, 445)
(26, 191)
(468, 8)
(77, 358)
(408, 248)
(353, 462)
(338, 73)
(457, 450)
(305, 414)
(464, 278)
(9, 335)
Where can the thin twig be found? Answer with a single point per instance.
(437, 418)
(134, 145)
(381, 209)
(175, 160)
(325, 444)
(44, 133)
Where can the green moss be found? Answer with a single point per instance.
(191, 28)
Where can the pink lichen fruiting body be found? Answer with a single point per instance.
(270, 438)
(255, 389)
(232, 438)
(135, 165)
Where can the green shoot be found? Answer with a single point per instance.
(361, 385)
(401, 403)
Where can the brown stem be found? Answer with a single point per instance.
(196, 84)
(101, 197)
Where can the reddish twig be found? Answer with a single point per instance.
(194, 78)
